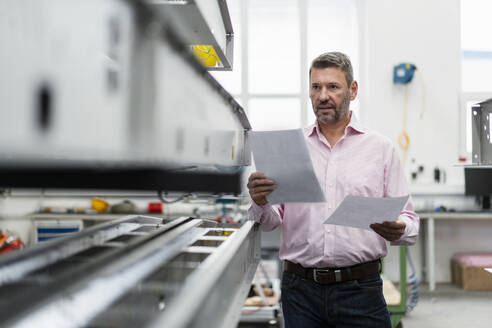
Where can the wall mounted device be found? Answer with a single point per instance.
(403, 73)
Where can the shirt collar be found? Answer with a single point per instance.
(354, 126)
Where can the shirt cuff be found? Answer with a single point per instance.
(256, 211)
(409, 236)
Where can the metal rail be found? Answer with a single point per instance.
(131, 273)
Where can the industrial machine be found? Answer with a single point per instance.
(478, 176)
(136, 271)
(108, 95)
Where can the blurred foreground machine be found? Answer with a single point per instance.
(103, 95)
(107, 94)
(133, 272)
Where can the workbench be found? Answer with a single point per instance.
(429, 233)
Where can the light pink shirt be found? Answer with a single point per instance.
(361, 163)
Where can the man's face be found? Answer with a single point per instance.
(330, 95)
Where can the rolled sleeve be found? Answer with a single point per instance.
(267, 215)
(395, 186)
(411, 220)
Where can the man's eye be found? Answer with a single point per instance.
(315, 87)
(333, 86)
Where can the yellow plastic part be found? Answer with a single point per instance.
(206, 55)
(99, 205)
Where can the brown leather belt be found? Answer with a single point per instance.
(333, 275)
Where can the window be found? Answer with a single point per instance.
(273, 47)
(274, 44)
(274, 113)
(332, 27)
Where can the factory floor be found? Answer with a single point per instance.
(447, 307)
(450, 307)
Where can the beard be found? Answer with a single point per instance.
(338, 112)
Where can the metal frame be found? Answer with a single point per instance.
(465, 119)
(210, 292)
(210, 25)
(218, 294)
(481, 145)
(74, 300)
(14, 266)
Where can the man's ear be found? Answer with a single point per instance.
(354, 87)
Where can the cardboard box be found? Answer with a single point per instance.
(468, 271)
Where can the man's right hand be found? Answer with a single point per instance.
(260, 186)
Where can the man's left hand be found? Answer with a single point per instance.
(390, 230)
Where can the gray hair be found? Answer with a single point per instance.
(334, 59)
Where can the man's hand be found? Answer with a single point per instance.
(260, 186)
(390, 230)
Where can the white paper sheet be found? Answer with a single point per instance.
(360, 212)
(283, 156)
(488, 270)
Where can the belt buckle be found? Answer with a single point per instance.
(338, 274)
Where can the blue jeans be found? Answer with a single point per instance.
(350, 304)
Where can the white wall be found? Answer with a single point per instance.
(426, 33)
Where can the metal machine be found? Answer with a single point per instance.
(478, 176)
(481, 142)
(133, 272)
(107, 95)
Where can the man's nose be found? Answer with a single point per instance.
(323, 95)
